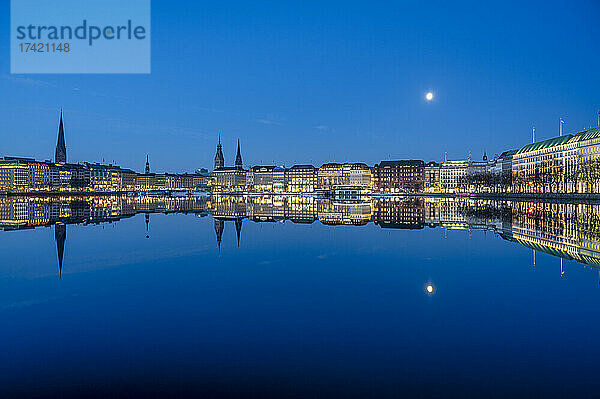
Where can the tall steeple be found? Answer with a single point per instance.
(219, 159)
(60, 235)
(238, 157)
(60, 156)
(147, 164)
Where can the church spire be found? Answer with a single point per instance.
(60, 156)
(238, 157)
(147, 164)
(219, 159)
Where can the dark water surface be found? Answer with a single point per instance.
(319, 299)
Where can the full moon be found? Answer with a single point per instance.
(429, 96)
(429, 289)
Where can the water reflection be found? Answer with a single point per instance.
(567, 231)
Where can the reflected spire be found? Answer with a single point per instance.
(238, 229)
(219, 227)
(60, 235)
(147, 225)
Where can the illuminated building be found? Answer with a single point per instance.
(453, 176)
(540, 167)
(260, 179)
(400, 176)
(431, 173)
(333, 175)
(582, 162)
(279, 182)
(128, 179)
(105, 177)
(40, 175)
(14, 173)
(229, 179)
(301, 179)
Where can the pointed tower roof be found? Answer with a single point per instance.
(219, 159)
(60, 155)
(238, 157)
(147, 164)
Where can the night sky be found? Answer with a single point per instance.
(313, 83)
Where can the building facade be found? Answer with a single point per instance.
(453, 176)
(540, 167)
(431, 173)
(335, 175)
(260, 179)
(229, 179)
(301, 179)
(400, 176)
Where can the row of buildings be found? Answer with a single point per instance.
(29, 175)
(564, 164)
(413, 176)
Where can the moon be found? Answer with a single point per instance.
(429, 288)
(429, 96)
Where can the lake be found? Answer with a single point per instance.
(298, 297)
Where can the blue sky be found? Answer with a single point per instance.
(317, 82)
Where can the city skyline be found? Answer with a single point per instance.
(562, 166)
(219, 158)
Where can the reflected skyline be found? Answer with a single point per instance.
(566, 231)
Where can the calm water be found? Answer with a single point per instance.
(317, 299)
